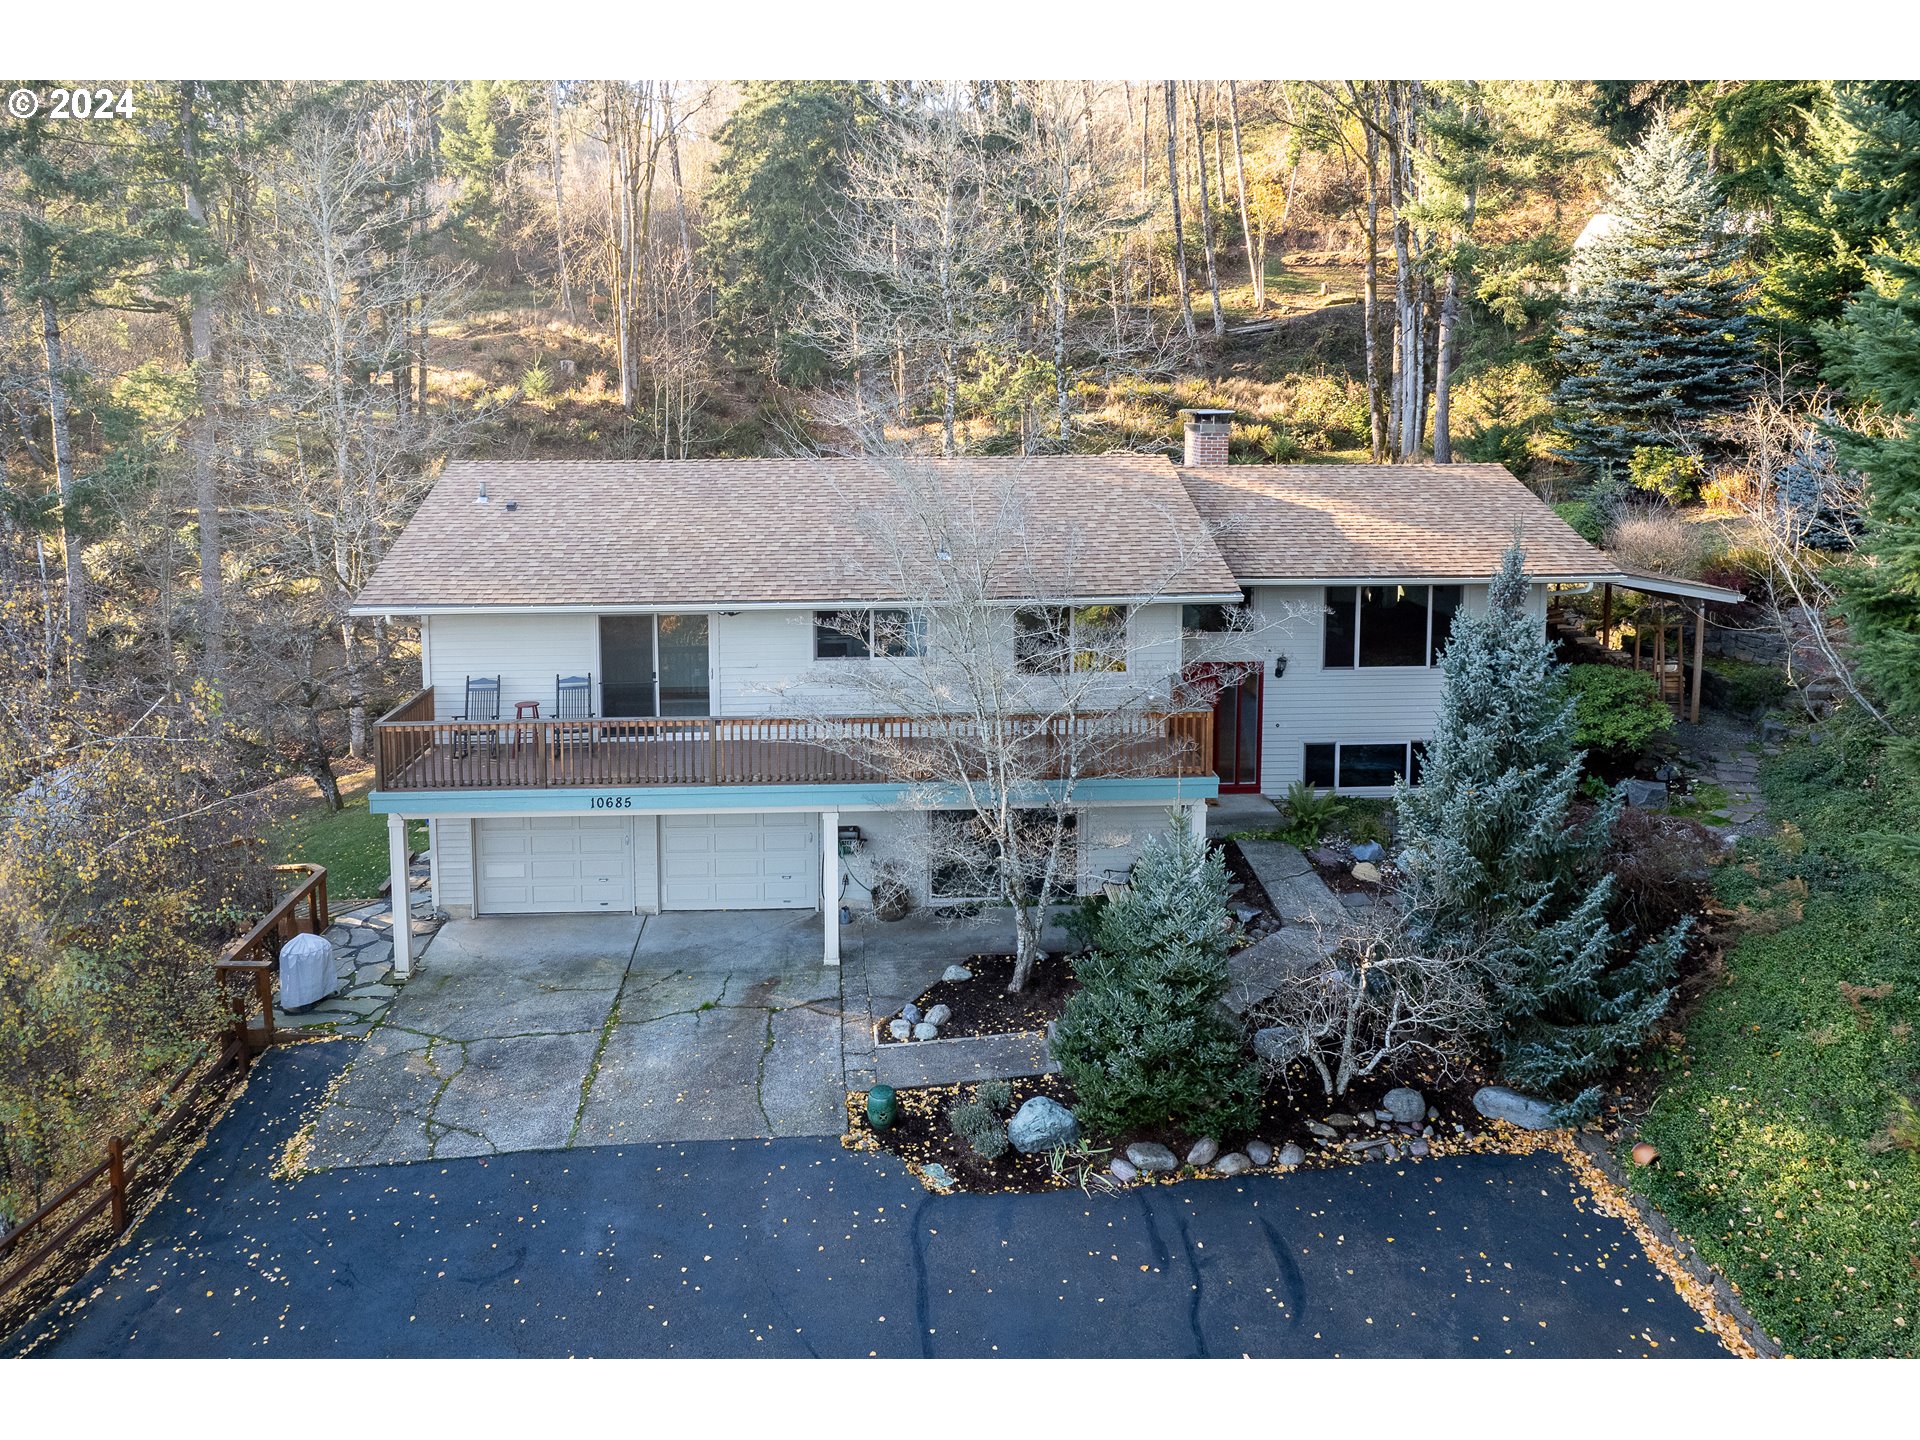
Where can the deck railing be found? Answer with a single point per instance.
(414, 751)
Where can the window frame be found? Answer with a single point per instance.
(1358, 604)
(1071, 662)
(914, 624)
(1071, 870)
(1413, 751)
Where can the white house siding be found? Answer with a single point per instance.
(452, 841)
(1110, 840)
(525, 651)
(1311, 704)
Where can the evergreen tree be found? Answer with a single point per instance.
(1874, 354)
(779, 176)
(1499, 865)
(1655, 331)
(1144, 1041)
(483, 127)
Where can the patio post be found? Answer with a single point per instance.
(830, 884)
(400, 895)
(1197, 820)
(1699, 654)
(1606, 617)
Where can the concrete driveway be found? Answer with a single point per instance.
(542, 1032)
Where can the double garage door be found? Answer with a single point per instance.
(589, 863)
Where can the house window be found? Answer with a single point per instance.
(1387, 626)
(1212, 619)
(1366, 766)
(1056, 639)
(965, 863)
(860, 634)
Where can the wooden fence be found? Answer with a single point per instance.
(56, 1243)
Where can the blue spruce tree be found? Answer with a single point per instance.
(1499, 866)
(1655, 331)
(1145, 1042)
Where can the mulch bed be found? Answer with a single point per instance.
(921, 1135)
(982, 1006)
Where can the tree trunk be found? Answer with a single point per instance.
(555, 160)
(1173, 187)
(1376, 406)
(1449, 337)
(1256, 262)
(200, 438)
(66, 483)
(1062, 391)
(1206, 213)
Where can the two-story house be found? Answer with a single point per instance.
(629, 667)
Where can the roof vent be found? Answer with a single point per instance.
(481, 498)
(513, 505)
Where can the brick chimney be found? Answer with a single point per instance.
(1207, 433)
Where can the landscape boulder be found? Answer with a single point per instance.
(910, 1013)
(1203, 1151)
(1497, 1102)
(1405, 1106)
(1646, 792)
(1370, 852)
(1232, 1163)
(1152, 1159)
(1367, 872)
(1290, 1155)
(1278, 1044)
(1041, 1124)
(925, 1030)
(900, 1029)
(1259, 1152)
(939, 1015)
(1122, 1171)
(956, 972)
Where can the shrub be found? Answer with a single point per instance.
(1584, 519)
(1745, 686)
(1673, 475)
(536, 381)
(1660, 541)
(1146, 1040)
(983, 1130)
(1617, 712)
(1368, 820)
(996, 1095)
(1309, 812)
(1661, 868)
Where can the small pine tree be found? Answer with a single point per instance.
(1145, 1042)
(1655, 330)
(1498, 867)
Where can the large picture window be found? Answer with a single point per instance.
(861, 634)
(1053, 639)
(1387, 626)
(1368, 765)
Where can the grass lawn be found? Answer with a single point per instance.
(352, 844)
(1787, 1141)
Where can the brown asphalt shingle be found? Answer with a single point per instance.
(1309, 522)
(705, 532)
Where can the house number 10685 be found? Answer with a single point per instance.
(612, 802)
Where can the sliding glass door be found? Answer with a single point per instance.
(654, 665)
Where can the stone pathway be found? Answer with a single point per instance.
(363, 962)
(1311, 918)
(1726, 752)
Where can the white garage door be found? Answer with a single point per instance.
(555, 864)
(739, 862)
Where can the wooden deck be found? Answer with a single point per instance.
(415, 752)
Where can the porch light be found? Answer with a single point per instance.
(1279, 666)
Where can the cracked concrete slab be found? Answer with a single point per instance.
(517, 1092)
(542, 1032)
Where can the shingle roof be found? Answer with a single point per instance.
(1276, 522)
(704, 532)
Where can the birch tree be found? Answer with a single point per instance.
(1173, 199)
(1206, 213)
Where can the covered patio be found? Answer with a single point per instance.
(1669, 607)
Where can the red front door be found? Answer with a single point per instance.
(1236, 730)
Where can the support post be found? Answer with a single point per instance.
(1606, 617)
(1197, 820)
(1660, 650)
(117, 1177)
(1699, 654)
(830, 884)
(401, 896)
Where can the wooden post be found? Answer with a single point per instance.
(117, 1181)
(1606, 617)
(1699, 654)
(1660, 650)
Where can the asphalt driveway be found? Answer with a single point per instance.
(541, 1032)
(799, 1247)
